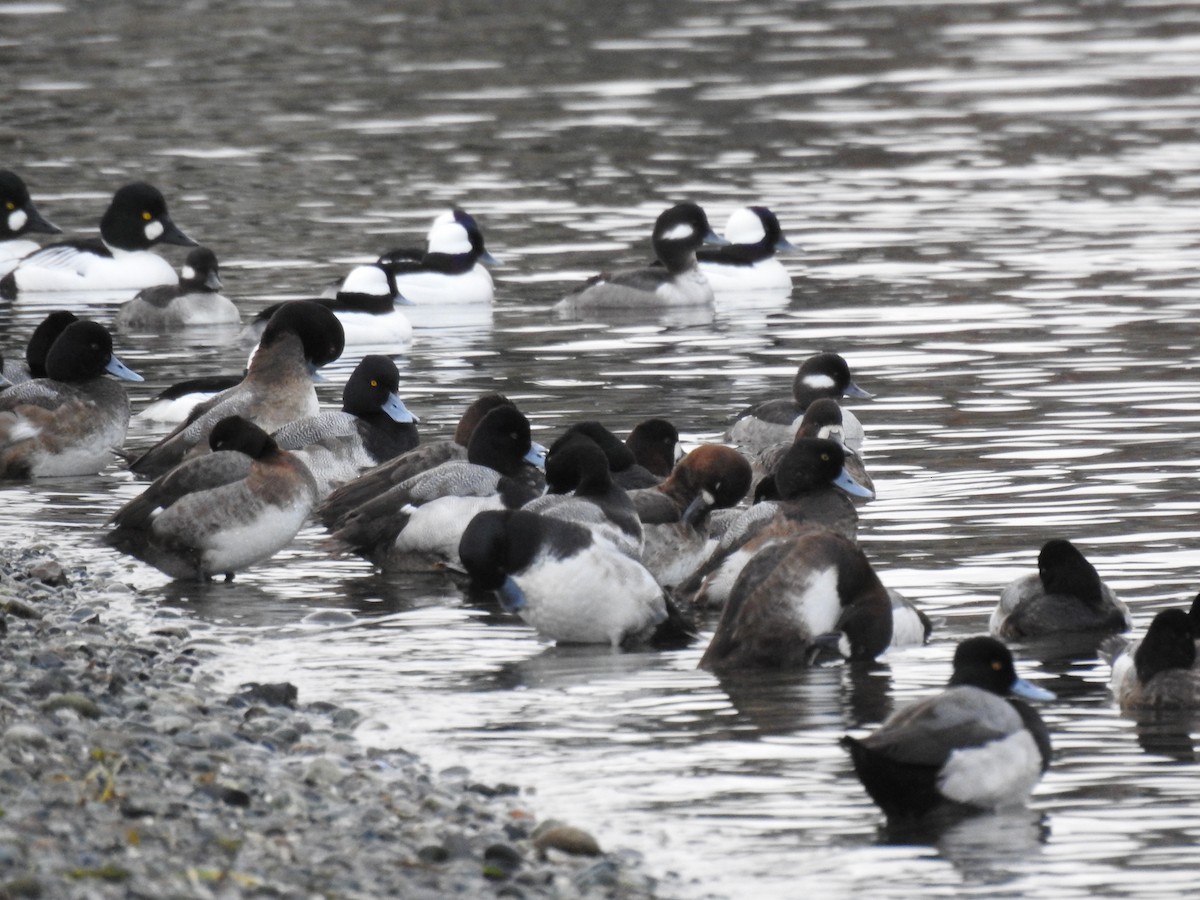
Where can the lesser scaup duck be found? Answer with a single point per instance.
(678, 233)
(417, 524)
(119, 259)
(747, 262)
(797, 597)
(580, 488)
(675, 513)
(1160, 672)
(815, 491)
(572, 586)
(277, 389)
(18, 217)
(72, 421)
(196, 300)
(622, 460)
(970, 746)
(1066, 594)
(653, 442)
(365, 304)
(451, 270)
(220, 513)
(822, 419)
(773, 421)
(372, 426)
(38, 348)
(911, 627)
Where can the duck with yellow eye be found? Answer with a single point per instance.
(119, 260)
(20, 218)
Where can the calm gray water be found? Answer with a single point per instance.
(998, 205)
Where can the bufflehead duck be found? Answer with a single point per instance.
(196, 300)
(1066, 594)
(747, 262)
(1160, 672)
(40, 342)
(417, 524)
(18, 217)
(372, 426)
(277, 389)
(72, 421)
(969, 747)
(365, 304)
(677, 282)
(219, 513)
(119, 259)
(569, 584)
(451, 270)
(772, 421)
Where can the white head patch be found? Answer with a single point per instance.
(450, 238)
(17, 219)
(831, 432)
(154, 230)
(819, 382)
(680, 232)
(187, 273)
(366, 280)
(744, 227)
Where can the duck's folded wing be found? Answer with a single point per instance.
(193, 476)
(927, 733)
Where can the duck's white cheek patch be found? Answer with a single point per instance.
(819, 382)
(999, 773)
(679, 233)
(366, 280)
(188, 273)
(154, 230)
(744, 228)
(17, 219)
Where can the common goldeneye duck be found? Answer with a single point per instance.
(195, 300)
(822, 419)
(747, 262)
(569, 584)
(970, 747)
(38, 348)
(824, 375)
(277, 389)
(372, 426)
(1160, 672)
(678, 233)
(450, 270)
(797, 599)
(219, 513)
(18, 217)
(1065, 595)
(72, 421)
(417, 524)
(119, 259)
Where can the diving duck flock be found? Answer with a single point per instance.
(593, 540)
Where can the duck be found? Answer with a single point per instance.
(1065, 595)
(653, 443)
(18, 217)
(175, 403)
(452, 269)
(822, 419)
(623, 463)
(911, 626)
(580, 488)
(120, 259)
(815, 491)
(196, 300)
(569, 584)
(372, 426)
(36, 351)
(72, 421)
(797, 597)
(345, 500)
(825, 374)
(417, 525)
(1159, 672)
(219, 513)
(365, 304)
(674, 514)
(971, 747)
(747, 262)
(277, 389)
(678, 281)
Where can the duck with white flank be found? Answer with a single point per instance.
(18, 218)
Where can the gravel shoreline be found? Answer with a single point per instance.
(125, 772)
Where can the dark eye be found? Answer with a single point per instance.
(997, 665)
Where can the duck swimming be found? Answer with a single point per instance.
(18, 218)
(747, 262)
(196, 300)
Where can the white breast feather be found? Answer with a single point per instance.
(1000, 773)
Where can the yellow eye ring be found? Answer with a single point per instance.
(11, 206)
(146, 216)
(374, 383)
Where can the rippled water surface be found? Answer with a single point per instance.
(998, 209)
